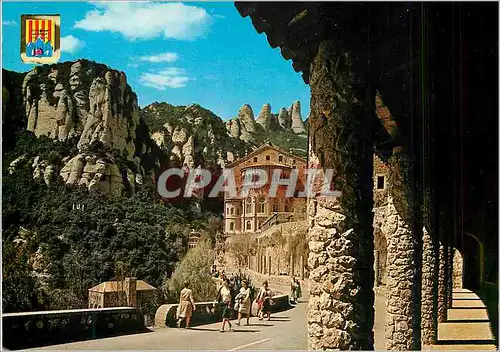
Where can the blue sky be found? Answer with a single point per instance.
(180, 53)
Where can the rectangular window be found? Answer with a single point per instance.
(268, 157)
(255, 159)
(280, 158)
(380, 182)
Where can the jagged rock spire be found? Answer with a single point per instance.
(297, 123)
(265, 118)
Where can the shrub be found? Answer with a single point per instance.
(195, 268)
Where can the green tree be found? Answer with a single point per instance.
(194, 268)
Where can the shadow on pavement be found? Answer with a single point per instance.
(261, 325)
(241, 330)
(203, 329)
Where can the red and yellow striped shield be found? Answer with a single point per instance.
(40, 38)
(39, 28)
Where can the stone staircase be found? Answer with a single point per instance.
(468, 325)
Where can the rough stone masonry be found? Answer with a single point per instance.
(340, 313)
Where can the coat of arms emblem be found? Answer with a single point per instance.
(40, 38)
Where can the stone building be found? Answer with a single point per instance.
(194, 239)
(272, 257)
(257, 210)
(130, 293)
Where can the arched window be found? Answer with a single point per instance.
(231, 226)
(249, 225)
(280, 158)
(248, 206)
(262, 206)
(232, 211)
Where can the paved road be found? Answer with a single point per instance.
(286, 331)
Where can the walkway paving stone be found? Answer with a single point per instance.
(468, 326)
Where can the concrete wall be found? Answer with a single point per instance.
(206, 313)
(34, 329)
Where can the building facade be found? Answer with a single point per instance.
(130, 292)
(250, 213)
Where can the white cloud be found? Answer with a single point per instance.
(133, 65)
(9, 23)
(165, 57)
(70, 44)
(147, 20)
(171, 77)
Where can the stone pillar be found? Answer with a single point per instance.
(376, 268)
(449, 278)
(130, 288)
(442, 302)
(340, 312)
(429, 290)
(270, 266)
(292, 266)
(402, 329)
(458, 267)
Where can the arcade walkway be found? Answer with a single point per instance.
(468, 325)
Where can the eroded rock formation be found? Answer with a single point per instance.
(194, 136)
(265, 117)
(90, 106)
(84, 100)
(298, 126)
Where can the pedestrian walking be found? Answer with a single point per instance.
(186, 306)
(293, 290)
(244, 302)
(264, 301)
(224, 299)
(298, 289)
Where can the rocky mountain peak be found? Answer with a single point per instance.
(284, 119)
(245, 112)
(265, 117)
(91, 105)
(298, 126)
(84, 100)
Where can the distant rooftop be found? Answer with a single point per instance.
(112, 286)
